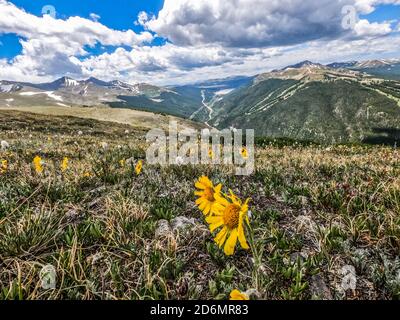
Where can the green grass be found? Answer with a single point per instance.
(314, 210)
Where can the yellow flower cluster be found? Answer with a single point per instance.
(87, 174)
(3, 166)
(139, 167)
(226, 213)
(38, 164)
(64, 164)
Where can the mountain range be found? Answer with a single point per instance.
(339, 102)
(312, 102)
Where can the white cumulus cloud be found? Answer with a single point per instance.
(206, 38)
(248, 23)
(51, 46)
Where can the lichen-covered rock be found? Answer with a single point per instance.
(4, 145)
(163, 229)
(182, 223)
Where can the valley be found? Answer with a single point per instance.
(335, 103)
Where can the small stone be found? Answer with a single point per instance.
(182, 223)
(4, 145)
(253, 294)
(48, 277)
(163, 229)
(319, 289)
(297, 256)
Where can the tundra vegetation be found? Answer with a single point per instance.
(78, 195)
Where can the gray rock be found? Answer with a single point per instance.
(177, 225)
(4, 145)
(296, 256)
(319, 288)
(182, 224)
(253, 294)
(163, 229)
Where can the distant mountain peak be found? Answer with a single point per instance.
(340, 65)
(374, 63)
(119, 82)
(303, 64)
(97, 82)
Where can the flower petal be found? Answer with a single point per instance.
(230, 244)
(221, 236)
(200, 185)
(205, 181)
(214, 226)
(207, 208)
(203, 205)
(237, 295)
(221, 200)
(213, 219)
(218, 188)
(241, 236)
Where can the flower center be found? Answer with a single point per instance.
(209, 194)
(231, 216)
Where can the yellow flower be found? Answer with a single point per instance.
(210, 154)
(139, 166)
(208, 195)
(122, 163)
(230, 217)
(37, 162)
(64, 164)
(4, 166)
(244, 153)
(87, 175)
(237, 295)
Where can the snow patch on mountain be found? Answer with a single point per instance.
(50, 94)
(157, 100)
(6, 88)
(223, 92)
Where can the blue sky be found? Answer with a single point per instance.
(116, 14)
(384, 12)
(186, 40)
